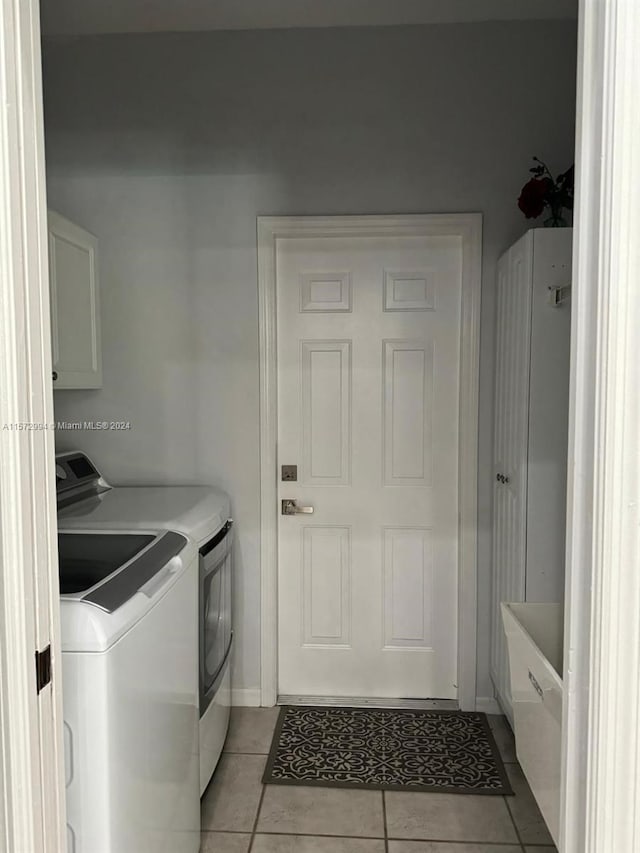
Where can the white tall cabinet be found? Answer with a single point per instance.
(75, 305)
(530, 430)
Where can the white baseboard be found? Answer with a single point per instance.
(245, 697)
(487, 705)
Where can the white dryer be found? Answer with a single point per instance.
(128, 609)
(86, 500)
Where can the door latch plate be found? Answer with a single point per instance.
(43, 668)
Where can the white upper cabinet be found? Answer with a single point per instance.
(75, 305)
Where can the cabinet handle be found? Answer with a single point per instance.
(54, 375)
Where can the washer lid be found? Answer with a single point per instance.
(107, 569)
(196, 511)
(112, 579)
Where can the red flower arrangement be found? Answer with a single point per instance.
(543, 190)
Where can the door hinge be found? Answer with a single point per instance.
(43, 668)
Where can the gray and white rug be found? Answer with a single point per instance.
(386, 749)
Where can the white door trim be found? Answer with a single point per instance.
(32, 813)
(468, 227)
(601, 749)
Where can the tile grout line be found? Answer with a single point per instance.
(404, 840)
(255, 822)
(513, 821)
(457, 841)
(311, 835)
(384, 821)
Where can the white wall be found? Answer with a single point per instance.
(168, 147)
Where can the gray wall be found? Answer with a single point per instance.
(168, 147)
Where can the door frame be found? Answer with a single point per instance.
(466, 226)
(600, 805)
(597, 710)
(32, 815)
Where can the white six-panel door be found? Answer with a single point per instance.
(368, 385)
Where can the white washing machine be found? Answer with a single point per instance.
(86, 500)
(128, 610)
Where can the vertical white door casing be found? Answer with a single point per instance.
(601, 752)
(32, 782)
(335, 543)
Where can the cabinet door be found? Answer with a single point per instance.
(549, 417)
(513, 345)
(75, 307)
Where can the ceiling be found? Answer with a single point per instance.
(85, 17)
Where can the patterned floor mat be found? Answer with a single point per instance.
(386, 749)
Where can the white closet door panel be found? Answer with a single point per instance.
(530, 430)
(548, 417)
(518, 322)
(513, 338)
(499, 514)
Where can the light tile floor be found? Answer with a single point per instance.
(241, 815)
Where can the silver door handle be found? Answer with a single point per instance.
(290, 507)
